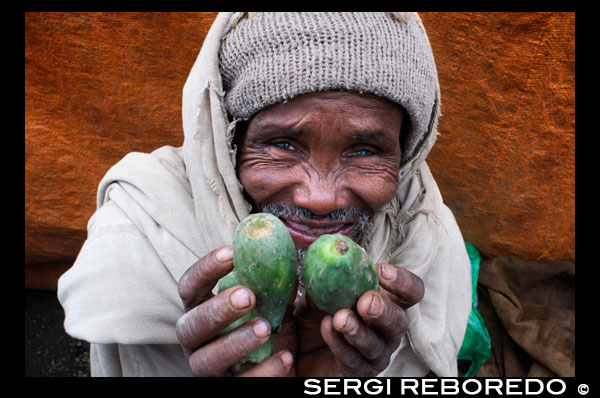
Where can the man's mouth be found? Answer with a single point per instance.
(305, 226)
(305, 232)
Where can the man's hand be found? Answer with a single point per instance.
(358, 344)
(206, 315)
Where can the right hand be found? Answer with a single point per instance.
(207, 314)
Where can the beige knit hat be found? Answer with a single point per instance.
(269, 58)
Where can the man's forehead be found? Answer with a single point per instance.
(363, 116)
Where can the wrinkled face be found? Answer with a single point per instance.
(322, 162)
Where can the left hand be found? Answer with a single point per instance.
(357, 343)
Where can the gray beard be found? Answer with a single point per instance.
(361, 218)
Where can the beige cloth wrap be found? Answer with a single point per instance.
(159, 213)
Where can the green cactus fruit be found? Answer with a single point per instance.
(264, 258)
(261, 353)
(337, 271)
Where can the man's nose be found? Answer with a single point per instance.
(320, 196)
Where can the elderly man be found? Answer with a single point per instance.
(324, 120)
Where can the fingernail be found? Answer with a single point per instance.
(261, 329)
(225, 254)
(287, 359)
(388, 271)
(375, 306)
(240, 298)
(349, 325)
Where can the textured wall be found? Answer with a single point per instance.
(97, 86)
(505, 159)
(100, 85)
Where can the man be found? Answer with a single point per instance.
(324, 120)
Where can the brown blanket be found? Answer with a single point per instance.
(529, 311)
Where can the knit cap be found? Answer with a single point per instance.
(267, 58)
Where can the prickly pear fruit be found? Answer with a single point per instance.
(264, 258)
(261, 353)
(337, 271)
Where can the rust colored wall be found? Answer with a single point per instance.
(505, 159)
(97, 86)
(100, 85)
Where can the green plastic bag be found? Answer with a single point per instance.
(476, 347)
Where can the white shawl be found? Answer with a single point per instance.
(158, 213)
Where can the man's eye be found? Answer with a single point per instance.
(284, 145)
(363, 152)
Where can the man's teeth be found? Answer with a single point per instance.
(301, 227)
(321, 231)
(316, 231)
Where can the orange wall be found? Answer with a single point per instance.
(505, 159)
(100, 85)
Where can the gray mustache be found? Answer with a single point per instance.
(360, 217)
(348, 213)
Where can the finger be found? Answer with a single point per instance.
(197, 283)
(406, 286)
(206, 320)
(383, 315)
(277, 365)
(216, 357)
(360, 336)
(346, 355)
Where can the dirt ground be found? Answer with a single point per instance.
(49, 350)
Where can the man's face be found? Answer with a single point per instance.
(322, 162)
